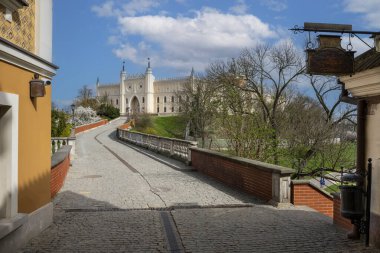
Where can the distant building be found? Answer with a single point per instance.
(143, 93)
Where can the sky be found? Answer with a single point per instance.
(92, 38)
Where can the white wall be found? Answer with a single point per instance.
(8, 155)
(44, 29)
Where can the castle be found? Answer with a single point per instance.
(144, 94)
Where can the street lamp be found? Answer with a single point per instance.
(73, 109)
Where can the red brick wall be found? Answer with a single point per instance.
(90, 126)
(233, 173)
(338, 219)
(306, 194)
(58, 175)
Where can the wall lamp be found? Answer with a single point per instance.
(37, 86)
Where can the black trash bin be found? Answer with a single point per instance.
(351, 197)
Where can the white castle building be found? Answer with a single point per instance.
(142, 93)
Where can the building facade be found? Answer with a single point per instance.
(25, 55)
(144, 94)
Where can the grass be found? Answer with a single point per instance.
(170, 126)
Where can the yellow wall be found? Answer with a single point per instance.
(34, 138)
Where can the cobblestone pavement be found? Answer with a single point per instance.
(116, 199)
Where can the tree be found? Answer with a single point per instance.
(85, 98)
(199, 103)
(267, 73)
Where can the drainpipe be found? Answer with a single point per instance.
(360, 145)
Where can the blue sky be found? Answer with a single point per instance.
(91, 38)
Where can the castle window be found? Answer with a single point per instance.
(117, 101)
(172, 99)
(165, 99)
(140, 86)
(172, 109)
(158, 109)
(164, 109)
(180, 99)
(180, 109)
(126, 100)
(143, 99)
(158, 100)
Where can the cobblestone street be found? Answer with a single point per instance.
(117, 199)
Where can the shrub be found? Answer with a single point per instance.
(108, 111)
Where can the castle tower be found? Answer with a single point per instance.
(123, 105)
(149, 80)
(97, 88)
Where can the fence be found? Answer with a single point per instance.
(58, 142)
(175, 148)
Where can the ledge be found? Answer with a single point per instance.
(60, 155)
(9, 225)
(253, 163)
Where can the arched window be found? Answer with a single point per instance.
(143, 99)
(172, 109)
(117, 101)
(172, 99)
(165, 99)
(126, 101)
(180, 109)
(164, 109)
(158, 109)
(158, 100)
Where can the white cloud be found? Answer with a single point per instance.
(184, 42)
(357, 45)
(139, 6)
(275, 5)
(104, 10)
(369, 8)
(240, 7)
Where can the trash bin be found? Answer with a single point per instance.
(351, 196)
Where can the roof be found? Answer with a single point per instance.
(367, 60)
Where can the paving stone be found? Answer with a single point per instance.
(113, 196)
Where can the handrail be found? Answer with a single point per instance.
(175, 148)
(58, 142)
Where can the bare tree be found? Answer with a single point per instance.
(267, 73)
(199, 104)
(86, 98)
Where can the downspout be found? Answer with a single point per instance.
(360, 143)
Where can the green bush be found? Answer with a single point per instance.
(59, 125)
(108, 111)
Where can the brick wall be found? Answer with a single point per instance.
(58, 175)
(304, 193)
(337, 218)
(250, 176)
(90, 126)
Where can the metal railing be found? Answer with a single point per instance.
(58, 142)
(175, 148)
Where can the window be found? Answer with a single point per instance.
(172, 109)
(158, 100)
(111, 102)
(172, 99)
(180, 109)
(117, 101)
(165, 99)
(180, 99)
(158, 109)
(164, 109)
(143, 100)
(126, 100)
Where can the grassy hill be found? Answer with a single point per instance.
(171, 126)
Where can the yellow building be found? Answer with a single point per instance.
(25, 107)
